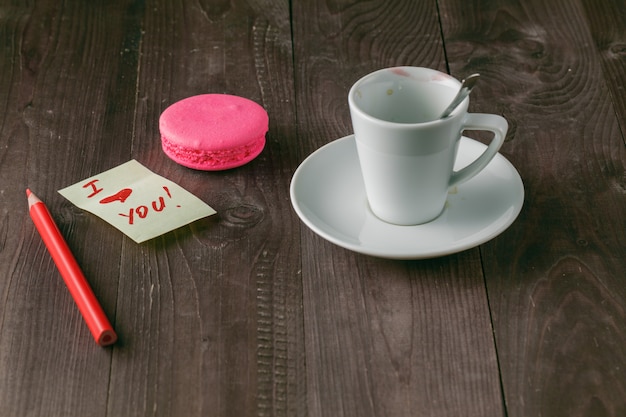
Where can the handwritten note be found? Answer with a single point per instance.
(140, 203)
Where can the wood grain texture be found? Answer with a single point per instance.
(371, 347)
(212, 319)
(52, 136)
(249, 312)
(337, 42)
(607, 21)
(556, 278)
(215, 317)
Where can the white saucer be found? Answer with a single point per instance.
(327, 193)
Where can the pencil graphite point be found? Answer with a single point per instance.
(32, 198)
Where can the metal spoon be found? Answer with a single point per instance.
(466, 87)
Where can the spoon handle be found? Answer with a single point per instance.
(466, 87)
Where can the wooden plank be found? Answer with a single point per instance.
(555, 278)
(383, 337)
(399, 338)
(607, 20)
(54, 133)
(210, 315)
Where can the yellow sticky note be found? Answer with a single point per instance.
(135, 200)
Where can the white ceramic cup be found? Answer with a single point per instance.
(407, 155)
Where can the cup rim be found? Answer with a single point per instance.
(461, 108)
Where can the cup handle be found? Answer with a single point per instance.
(480, 121)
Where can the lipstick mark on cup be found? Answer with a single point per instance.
(400, 71)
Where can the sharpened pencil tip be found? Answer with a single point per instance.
(28, 193)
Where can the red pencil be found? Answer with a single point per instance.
(80, 290)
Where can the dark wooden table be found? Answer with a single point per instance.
(249, 312)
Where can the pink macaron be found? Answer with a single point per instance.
(213, 132)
